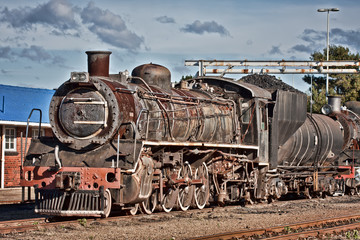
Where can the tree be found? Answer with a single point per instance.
(186, 77)
(345, 85)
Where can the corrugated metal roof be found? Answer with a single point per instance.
(16, 103)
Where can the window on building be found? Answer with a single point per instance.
(10, 139)
(35, 133)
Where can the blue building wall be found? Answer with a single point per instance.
(16, 103)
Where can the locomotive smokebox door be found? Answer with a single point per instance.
(83, 113)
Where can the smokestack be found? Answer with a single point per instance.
(98, 63)
(335, 103)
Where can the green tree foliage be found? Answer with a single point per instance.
(186, 77)
(345, 85)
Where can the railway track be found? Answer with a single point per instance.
(23, 225)
(20, 225)
(294, 231)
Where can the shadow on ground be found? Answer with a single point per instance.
(17, 211)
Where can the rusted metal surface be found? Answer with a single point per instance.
(89, 178)
(350, 123)
(154, 74)
(196, 117)
(98, 63)
(90, 115)
(83, 112)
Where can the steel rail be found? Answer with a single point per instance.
(279, 229)
(32, 224)
(19, 221)
(17, 226)
(20, 224)
(319, 232)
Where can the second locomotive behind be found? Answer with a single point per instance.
(135, 141)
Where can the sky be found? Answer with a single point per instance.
(43, 41)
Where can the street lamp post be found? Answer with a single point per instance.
(328, 10)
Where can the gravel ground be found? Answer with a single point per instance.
(195, 223)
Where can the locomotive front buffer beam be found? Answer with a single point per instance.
(72, 191)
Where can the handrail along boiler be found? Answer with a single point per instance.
(130, 141)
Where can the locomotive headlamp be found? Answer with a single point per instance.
(79, 77)
(326, 109)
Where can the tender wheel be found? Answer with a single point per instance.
(149, 205)
(307, 193)
(202, 191)
(108, 203)
(133, 211)
(186, 192)
(352, 191)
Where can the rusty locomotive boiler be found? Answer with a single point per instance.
(134, 141)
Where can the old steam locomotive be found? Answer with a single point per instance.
(131, 141)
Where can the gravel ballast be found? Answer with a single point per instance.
(195, 223)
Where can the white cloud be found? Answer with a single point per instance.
(209, 27)
(58, 14)
(275, 50)
(110, 28)
(165, 19)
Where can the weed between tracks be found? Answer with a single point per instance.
(82, 222)
(352, 234)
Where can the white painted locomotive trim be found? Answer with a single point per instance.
(89, 122)
(17, 123)
(199, 144)
(90, 103)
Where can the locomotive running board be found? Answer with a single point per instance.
(199, 144)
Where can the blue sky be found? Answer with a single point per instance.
(42, 41)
